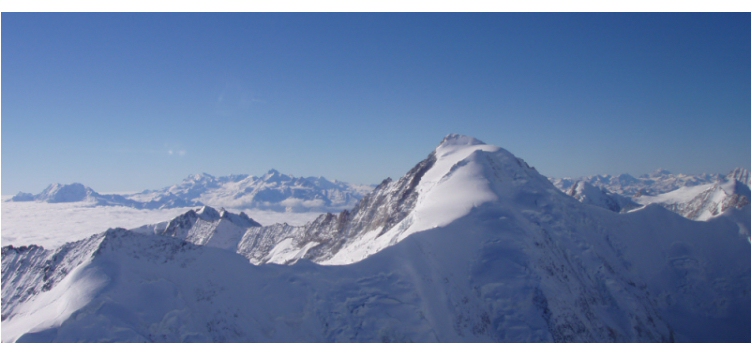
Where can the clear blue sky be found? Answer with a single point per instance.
(125, 102)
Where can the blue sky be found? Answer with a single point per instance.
(126, 102)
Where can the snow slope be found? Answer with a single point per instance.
(471, 245)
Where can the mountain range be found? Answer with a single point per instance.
(471, 245)
(273, 191)
(698, 197)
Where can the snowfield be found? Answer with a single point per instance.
(471, 245)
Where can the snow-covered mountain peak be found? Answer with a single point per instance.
(461, 174)
(70, 192)
(274, 176)
(240, 219)
(55, 193)
(459, 139)
(208, 214)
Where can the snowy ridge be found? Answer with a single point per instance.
(471, 245)
(206, 226)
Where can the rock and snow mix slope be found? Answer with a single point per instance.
(471, 245)
(207, 226)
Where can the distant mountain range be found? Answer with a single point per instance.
(698, 197)
(272, 191)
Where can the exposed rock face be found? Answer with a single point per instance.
(377, 212)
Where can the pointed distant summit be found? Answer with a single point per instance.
(275, 176)
(67, 193)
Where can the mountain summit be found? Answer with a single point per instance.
(471, 245)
